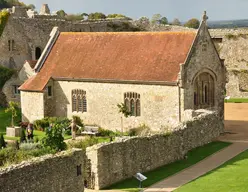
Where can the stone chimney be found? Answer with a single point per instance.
(45, 10)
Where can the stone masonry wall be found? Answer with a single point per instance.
(48, 173)
(159, 104)
(29, 33)
(116, 161)
(32, 106)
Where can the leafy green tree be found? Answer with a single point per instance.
(31, 6)
(156, 18)
(54, 138)
(163, 21)
(61, 13)
(115, 15)
(4, 15)
(193, 23)
(96, 15)
(176, 22)
(124, 111)
(2, 142)
(13, 108)
(74, 17)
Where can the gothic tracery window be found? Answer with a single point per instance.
(204, 91)
(79, 101)
(132, 102)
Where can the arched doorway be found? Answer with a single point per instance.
(204, 90)
(37, 53)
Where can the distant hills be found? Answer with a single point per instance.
(228, 24)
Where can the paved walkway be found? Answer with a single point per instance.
(199, 169)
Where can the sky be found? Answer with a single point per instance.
(181, 9)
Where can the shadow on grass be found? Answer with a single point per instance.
(193, 157)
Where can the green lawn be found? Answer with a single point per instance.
(230, 177)
(5, 120)
(237, 100)
(159, 174)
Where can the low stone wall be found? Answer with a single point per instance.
(116, 161)
(47, 173)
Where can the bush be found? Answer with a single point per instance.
(2, 142)
(83, 144)
(36, 139)
(142, 130)
(29, 146)
(105, 133)
(45, 122)
(10, 156)
(54, 138)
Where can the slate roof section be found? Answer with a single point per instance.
(120, 56)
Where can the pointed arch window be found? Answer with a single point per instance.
(79, 101)
(132, 102)
(37, 53)
(204, 90)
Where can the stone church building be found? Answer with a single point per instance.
(157, 75)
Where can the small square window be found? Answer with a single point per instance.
(49, 91)
(15, 89)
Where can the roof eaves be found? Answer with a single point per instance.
(168, 83)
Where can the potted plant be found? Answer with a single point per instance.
(13, 131)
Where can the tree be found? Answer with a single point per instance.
(193, 23)
(96, 15)
(115, 15)
(163, 21)
(13, 108)
(176, 22)
(61, 13)
(156, 18)
(54, 138)
(74, 17)
(2, 142)
(124, 110)
(31, 6)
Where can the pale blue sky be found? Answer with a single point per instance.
(182, 9)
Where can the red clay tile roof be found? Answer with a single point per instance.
(137, 56)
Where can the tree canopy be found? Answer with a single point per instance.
(61, 13)
(193, 23)
(176, 22)
(97, 15)
(159, 19)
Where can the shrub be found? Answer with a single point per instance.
(10, 156)
(54, 138)
(83, 144)
(2, 142)
(45, 122)
(23, 136)
(142, 130)
(104, 133)
(29, 146)
(36, 139)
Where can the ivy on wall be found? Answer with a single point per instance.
(4, 15)
(5, 75)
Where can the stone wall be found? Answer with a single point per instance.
(17, 80)
(32, 106)
(159, 104)
(116, 161)
(48, 173)
(30, 33)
